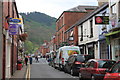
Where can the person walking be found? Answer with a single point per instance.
(36, 59)
(30, 60)
(26, 60)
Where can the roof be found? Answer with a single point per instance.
(89, 15)
(80, 8)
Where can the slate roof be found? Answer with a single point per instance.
(89, 15)
(82, 8)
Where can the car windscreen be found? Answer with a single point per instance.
(80, 58)
(106, 64)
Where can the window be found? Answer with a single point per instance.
(92, 64)
(81, 33)
(106, 64)
(91, 28)
(116, 68)
(87, 64)
(71, 59)
(119, 13)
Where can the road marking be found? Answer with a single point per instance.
(28, 72)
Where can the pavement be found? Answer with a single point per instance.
(20, 74)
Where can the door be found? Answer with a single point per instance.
(90, 70)
(114, 73)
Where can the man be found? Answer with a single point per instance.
(26, 60)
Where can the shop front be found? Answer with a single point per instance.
(115, 49)
(113, 39)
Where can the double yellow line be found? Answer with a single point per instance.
(28, 72)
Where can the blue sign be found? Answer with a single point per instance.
(15, 20)
(13, 29)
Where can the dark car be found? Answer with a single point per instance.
(74, 63)
(95, 69)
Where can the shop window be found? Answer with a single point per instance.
(117, 49)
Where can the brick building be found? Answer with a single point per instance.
(8, 9)
(66, 20)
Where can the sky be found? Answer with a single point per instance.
(53, 8)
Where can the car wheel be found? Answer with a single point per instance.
(80, 76)
(93, 78)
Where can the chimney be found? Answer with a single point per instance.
(101, 2)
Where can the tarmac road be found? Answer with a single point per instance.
(42, 71)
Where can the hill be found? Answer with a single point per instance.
(39, 26)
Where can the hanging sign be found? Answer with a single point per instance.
(101, 20)
(13, 29)
(15, 20)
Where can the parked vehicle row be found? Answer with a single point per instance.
(95, 69)
(70, 60)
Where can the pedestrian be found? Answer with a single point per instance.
(36, 59)
(30, 60)
(26, 60)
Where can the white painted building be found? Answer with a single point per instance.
(114, 32)
(89, 32)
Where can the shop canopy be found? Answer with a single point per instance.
(110, 34)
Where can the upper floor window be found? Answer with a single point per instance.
(81, 33)
(91, 28)
(113, 9)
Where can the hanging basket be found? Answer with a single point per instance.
(23, 37)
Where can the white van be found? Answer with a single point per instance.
(63, 54)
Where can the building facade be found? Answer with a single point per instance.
(88, 34)
(113, 36)
(10, 43)
(66, 20)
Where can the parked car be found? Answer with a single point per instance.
(63, 54)
(113, 73)
(74, 63)
(95, 69)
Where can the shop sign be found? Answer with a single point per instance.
(101, 20)
(13, 29)
(15, 20)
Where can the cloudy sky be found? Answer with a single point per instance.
(51, 7)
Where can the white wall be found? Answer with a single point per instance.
(86, 31)
(8, 54)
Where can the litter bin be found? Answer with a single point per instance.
(19, 65)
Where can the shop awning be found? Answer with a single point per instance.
(112, 33)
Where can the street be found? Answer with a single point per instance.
(42, 70)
